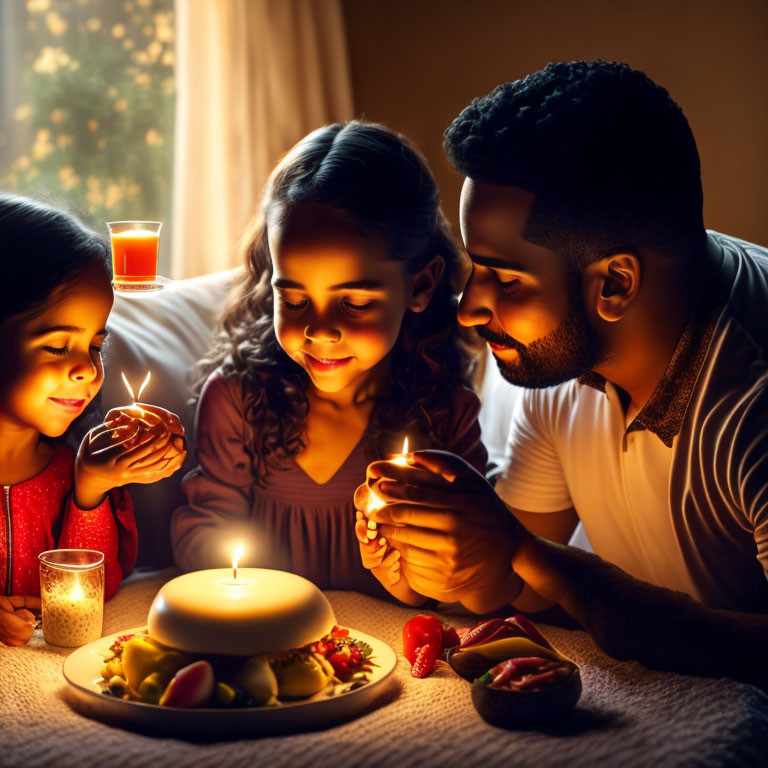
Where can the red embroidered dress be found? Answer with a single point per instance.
(39, 514)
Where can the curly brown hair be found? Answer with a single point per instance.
(376, 179)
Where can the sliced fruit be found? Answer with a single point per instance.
(190, 687)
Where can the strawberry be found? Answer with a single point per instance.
(424, 663)
(341, 664)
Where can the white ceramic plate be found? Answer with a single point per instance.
(82, 670)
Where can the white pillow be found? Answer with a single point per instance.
(165, 332)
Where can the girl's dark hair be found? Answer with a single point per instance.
(377, 180)
(44, 250)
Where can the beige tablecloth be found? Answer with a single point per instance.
(627, 715)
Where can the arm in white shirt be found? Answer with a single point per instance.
(629, 618)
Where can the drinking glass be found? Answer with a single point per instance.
(134, 254)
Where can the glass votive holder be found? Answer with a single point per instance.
(72, 596)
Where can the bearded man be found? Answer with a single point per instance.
(641, 340)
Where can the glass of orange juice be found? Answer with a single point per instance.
(134, 254)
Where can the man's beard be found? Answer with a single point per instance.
(566, 353)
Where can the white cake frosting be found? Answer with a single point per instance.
(262, 611)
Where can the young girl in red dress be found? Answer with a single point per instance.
(340, 340)
(55, 297)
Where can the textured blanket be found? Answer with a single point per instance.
(627, 716)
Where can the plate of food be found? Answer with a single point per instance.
(199, 674)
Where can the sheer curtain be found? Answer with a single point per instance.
(253, 77)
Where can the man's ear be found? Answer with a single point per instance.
(424, 283)
(611, 285)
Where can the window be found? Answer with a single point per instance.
(86, 106)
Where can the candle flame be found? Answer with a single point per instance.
(375, 501)
(128, 386)
(76, 593)
(400, 460)
(141, 389)
(146, 381)
(236, 558)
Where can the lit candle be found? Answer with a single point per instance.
(239, 612)
(72, 596)
(375, 501)
(141, 388)
(139, 411)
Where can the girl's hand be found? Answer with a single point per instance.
(143, 414)
(135, 444)
(372, 551)
(17, 622)
(384, 563)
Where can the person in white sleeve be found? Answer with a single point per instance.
(641, 339)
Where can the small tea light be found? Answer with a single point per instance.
(72, 595)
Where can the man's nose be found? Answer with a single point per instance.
(474, 306)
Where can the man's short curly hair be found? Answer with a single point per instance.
(608, 153)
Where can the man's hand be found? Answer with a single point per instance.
(17, 622)
(455, 536)
(134, 444)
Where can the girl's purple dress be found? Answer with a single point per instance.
(293, 523)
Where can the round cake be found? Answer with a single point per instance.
(261, 611)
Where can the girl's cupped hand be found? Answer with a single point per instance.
(17, 622)
(134, 444)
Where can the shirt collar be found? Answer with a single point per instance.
(663, 413)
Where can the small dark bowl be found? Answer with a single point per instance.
(526, 709)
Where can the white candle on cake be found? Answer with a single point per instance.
(239, 611)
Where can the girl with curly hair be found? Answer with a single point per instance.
(339, 340)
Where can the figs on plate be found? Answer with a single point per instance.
(527, 692)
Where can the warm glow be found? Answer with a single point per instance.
(374, 501)
(400, 460)
(77, 593)
(236, 558)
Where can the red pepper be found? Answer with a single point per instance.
(421, 630)
(419, 633)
